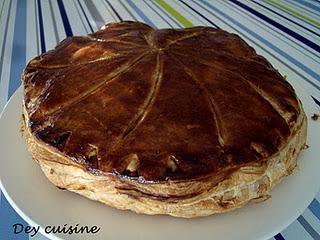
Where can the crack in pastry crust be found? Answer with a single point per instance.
(185, 122)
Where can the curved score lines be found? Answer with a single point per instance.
(150, 38)
(65, 66)
(99, 59)
(117, 39)
(249, 59)
(255, 88)
(210, 100)
(267, 99)
(112, 76)
(184, 38)
(37, 101)
(140, 116)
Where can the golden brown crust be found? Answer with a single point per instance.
(161, 121)
(252, 182)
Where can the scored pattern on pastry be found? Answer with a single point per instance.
(159, 104)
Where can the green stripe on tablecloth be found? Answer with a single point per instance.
(185, 22)
(293, 12)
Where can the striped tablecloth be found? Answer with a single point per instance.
(287, 32)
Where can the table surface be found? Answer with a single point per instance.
(286, 32)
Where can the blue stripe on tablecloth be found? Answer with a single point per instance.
(4, 41)
(95, 13)
(65, 19)
(111, 12)
(154, 10)
(302, 5)
(275, 33)
(293, 69)
(9, 217)
(41, 29)
(292, 15)
(201, 15)
(312, 220)
(309, 5)
(279, 237)
(288, 19)
(315, 205)
(114, 10)
(177, 24)
(316, 101)
(128, 11)
(54, 23)
(141, 14)
(85, 16)
(279, 26)
(308, 227)
(295, 231)
(36, 23)
(18, 59)
(7, 213)
(149, 10)
(188, 14)
(78, 5)
(267, 43)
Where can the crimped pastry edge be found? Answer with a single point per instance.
(249, 183)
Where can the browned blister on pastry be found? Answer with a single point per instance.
(186, 122)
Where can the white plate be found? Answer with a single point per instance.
(41, 203)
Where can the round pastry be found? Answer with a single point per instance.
(185, 122)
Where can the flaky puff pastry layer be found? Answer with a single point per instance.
(188, 199)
